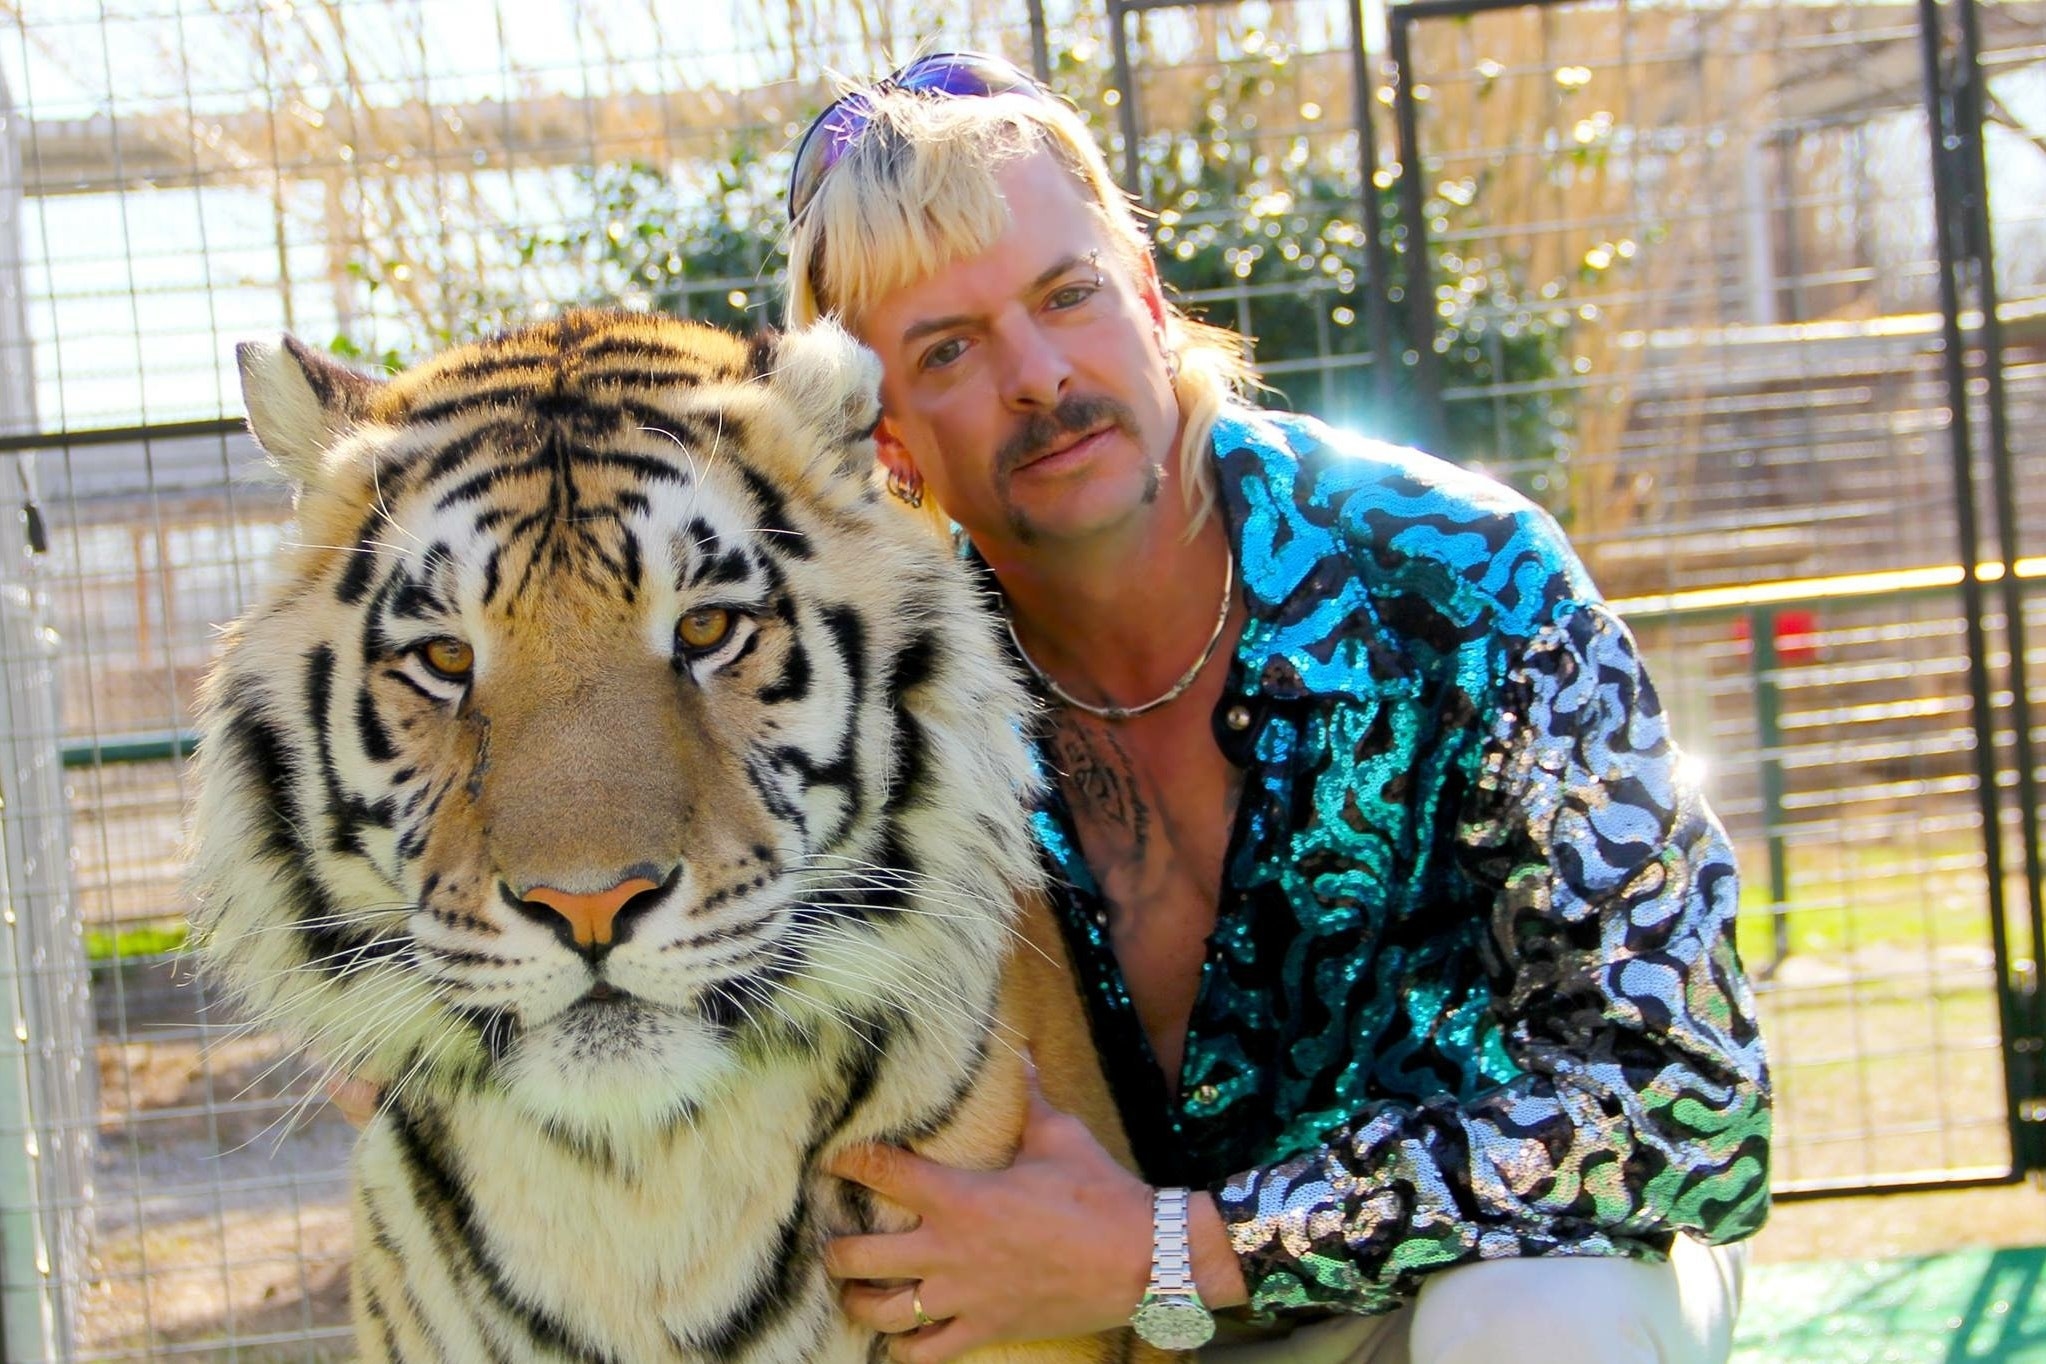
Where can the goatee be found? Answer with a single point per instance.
(1074, 416)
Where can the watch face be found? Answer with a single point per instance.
(1174, 1323)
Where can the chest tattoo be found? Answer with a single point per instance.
(1101, 786)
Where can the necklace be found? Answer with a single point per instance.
(1172, 693)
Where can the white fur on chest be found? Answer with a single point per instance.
(658, 1245)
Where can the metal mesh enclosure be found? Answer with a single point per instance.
(1673, 271)
(1729, 213)
(46, 1090)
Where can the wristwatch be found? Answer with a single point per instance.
(1171, 1315)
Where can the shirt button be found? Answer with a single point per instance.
(1237, 717)
(1206, 1094)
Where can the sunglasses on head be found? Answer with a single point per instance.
(835, 130)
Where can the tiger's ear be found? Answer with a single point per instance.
(300, 402)
(831, 383)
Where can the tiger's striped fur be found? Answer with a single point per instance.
(593, 1150)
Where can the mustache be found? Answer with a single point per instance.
(1072, 417)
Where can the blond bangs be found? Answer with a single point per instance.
(917, 191)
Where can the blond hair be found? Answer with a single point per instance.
(917, 189)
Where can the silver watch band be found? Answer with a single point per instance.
(1171, 1258)
(1172, 1315)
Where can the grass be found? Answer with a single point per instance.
(130, 942)
(1846, 897)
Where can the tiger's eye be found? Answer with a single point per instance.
(705, 629)
(451, 658)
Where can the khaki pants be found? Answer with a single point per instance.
(1573, 1311)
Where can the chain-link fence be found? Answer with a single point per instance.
(1677, 276)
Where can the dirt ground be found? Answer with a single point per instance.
(210, 1228)
(1893, 1226)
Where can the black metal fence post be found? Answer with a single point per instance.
(1378, 280)
(1430, 421)
(1040, 46)
(1377, 268)
(1972, 172)
(1126, 95)
(1952, 220)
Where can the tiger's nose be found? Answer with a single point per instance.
(592, 917)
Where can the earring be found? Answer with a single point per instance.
(907, 488)
(1170, 355)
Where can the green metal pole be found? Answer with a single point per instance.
(143, 748)
(1763, 662)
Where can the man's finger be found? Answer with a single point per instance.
(889, 1309)
(903, 1176)
(1046, 1127)
(887, 1255)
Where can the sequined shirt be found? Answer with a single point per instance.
(1472, 989)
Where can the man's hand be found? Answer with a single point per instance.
(1056, 1246)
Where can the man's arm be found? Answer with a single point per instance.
(1644, 1103)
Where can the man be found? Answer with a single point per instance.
(1408, 950)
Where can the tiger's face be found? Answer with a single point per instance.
(605, 728)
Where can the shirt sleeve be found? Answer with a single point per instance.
(1643, 1103)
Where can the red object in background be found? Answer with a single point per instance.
(1795, 631)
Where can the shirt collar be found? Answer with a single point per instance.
(1314, 630)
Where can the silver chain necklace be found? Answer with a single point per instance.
(1172, 693)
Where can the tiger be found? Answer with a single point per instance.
(615, 779)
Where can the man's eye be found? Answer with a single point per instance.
(1072, 295)
(944, 353)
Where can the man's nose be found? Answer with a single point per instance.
(1035, 370)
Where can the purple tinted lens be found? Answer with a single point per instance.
(961, 73)
(942, 73)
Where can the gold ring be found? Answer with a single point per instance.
(916, 1305)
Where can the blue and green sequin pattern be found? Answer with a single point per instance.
(1472, 989)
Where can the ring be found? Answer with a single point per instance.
(916, 1305)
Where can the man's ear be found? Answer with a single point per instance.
(896, 461)
(300, 402)
(1152, 290)
(893, 454)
